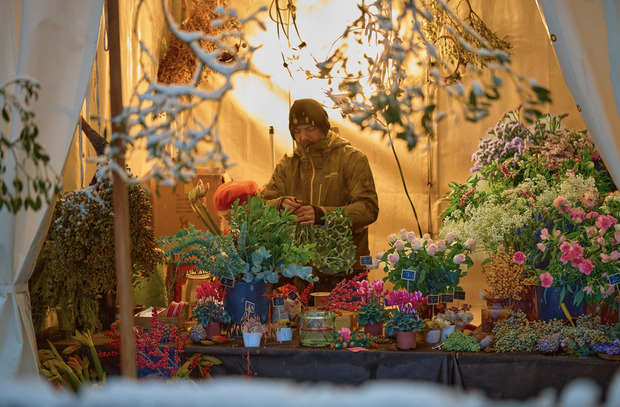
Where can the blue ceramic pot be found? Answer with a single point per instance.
(255, 292)
(548, 304)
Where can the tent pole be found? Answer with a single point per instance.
(120, 196)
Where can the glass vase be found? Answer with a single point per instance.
(316, 328)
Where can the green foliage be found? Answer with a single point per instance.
(34, 179)
(76, 265)
(403, 321)
(333, 242)
(467, 64)
(72, 372)
(459, 342)
(208, 312)
(265, 242)
(371, 312)
(215, 254)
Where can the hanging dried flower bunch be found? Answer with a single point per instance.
(179, 62)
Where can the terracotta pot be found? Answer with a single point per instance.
(212, 329)
(406, 340)
(374, 328)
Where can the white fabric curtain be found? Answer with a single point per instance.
(53, 42)
(586, 40)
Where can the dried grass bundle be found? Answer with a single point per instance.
(504, 277)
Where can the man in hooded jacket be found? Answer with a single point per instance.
(324, 172)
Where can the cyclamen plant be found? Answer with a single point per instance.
(373, 299)
(439, 264)
(209, 306)
(404, 316)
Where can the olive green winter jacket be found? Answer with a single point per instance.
(330, 174)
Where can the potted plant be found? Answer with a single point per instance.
(75, 271)
(432, 330)
(404, 321)
(209, 310)
(371, 312)
(253, 330)
(438, 264)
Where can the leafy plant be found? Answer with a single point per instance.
(76, 265)
(372, 308)
(264, 238)
(72, 372)
(404, 316)
(34, 180)
(333, 242)
(438, 265)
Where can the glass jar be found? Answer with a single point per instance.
(316, 328)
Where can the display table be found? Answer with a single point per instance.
(498, 375)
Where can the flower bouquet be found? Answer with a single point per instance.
(438, 264)
(578, 253)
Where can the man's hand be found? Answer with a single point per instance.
(291, 203)
(305, 215)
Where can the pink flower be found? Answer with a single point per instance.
(393, 258)
(541, 247)
(432, 249)
(591, 231)
(610, 290)
(546, 280)
(399, 245)
(617, 236)
(403, 234)
(544, 234)
(417, 244)
(470, 244)
(556, 233)
(441, 245)
(592, 215)
(577, 215)
(605, 221)
(379, 255)
(572, 252)
(392, 238)
(377, 286)
(459, 258)
(586, 267)
(345, 333)
(450, 238)
(561, 203)
(426, 237)
(588, 289)
(590, 198)
(519, 258)
(410, 236)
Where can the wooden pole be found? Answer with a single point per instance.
(120, 196)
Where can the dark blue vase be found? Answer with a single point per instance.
(255, 292)
(548, 304)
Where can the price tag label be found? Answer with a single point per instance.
(278, 302)
(445, 298)
(459, 295)
(292, 295)
(433, 300)
(408, 275)
(614, 278)
(366, 260)
(249, 307)
(227, 281)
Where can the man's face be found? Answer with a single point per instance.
(306, 135)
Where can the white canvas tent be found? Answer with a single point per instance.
(55, 43)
